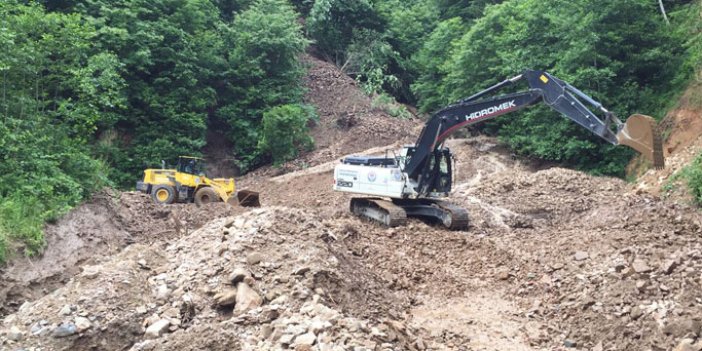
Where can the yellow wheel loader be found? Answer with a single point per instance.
(189, 183)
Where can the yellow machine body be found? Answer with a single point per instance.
(187, 182)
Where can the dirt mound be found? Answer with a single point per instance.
(92, 232)
(267, 279)
(348, 121)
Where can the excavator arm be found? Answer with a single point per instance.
(638, 132)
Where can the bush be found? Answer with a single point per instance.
(285, 132)
(692, 174)
(388, 104)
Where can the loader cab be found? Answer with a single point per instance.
(191, 165)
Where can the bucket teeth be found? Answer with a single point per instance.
(641, 134)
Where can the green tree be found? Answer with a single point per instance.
(264, 71)
(285, 132)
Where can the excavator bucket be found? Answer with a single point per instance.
(245, 198)
(640, 133)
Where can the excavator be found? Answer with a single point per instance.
(416, 182)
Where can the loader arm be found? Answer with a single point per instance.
(543, 87)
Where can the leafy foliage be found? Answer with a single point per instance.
(693, 175)
(285, 132)
(55, 91)
(130, 82)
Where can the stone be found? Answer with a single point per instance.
(306, 339)
(65, 311)
(641, 285)
(640, 266)
(64, 330)
(254, 258)
(301, 270)
(286, 339)
(636, 313)
(570, 343)
(238, 275)
(581, 256)
(163, 292)
(157, 329)
(266, 331)
(681, 328)
(669, 266)
(82, 324)
(246, 298)
(90, 272)
(226, 297)
(687, 345)
(503, 275)
(15, 334)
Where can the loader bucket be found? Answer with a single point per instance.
(246, 198)
(640, 133)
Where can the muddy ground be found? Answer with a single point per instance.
(554, 259)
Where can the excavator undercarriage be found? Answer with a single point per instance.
(393, 213)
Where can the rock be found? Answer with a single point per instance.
(306, 339)
(581, 256)
(246, 298)
(669, 266)
(157, 329)
(65, 311)
(640, 266)
(254, 258)
(82, 324)
(687, 345)
(636, 313)
(238, 275)
(286, 339)
(301, 270)
(681, 328)
(226, 297)
(503, 275)
(570, 343)
(64, 330)
(15, 334)
(90, 272)
(163, 293)
(266, 331)
(641, 285)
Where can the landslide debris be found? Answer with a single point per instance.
(268, 279)
(93, 231)
(348, 120)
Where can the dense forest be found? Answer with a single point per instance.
(94, 90)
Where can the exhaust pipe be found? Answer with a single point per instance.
(641, 134)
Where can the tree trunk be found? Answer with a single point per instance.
(665, 16)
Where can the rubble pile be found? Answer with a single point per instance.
(267, 279)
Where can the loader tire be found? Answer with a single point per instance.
(163, 194)
(206, 195)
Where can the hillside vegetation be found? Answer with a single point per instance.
(94, 90)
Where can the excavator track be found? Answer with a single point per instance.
(379, 210)
(455, 217)
(452, 217)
